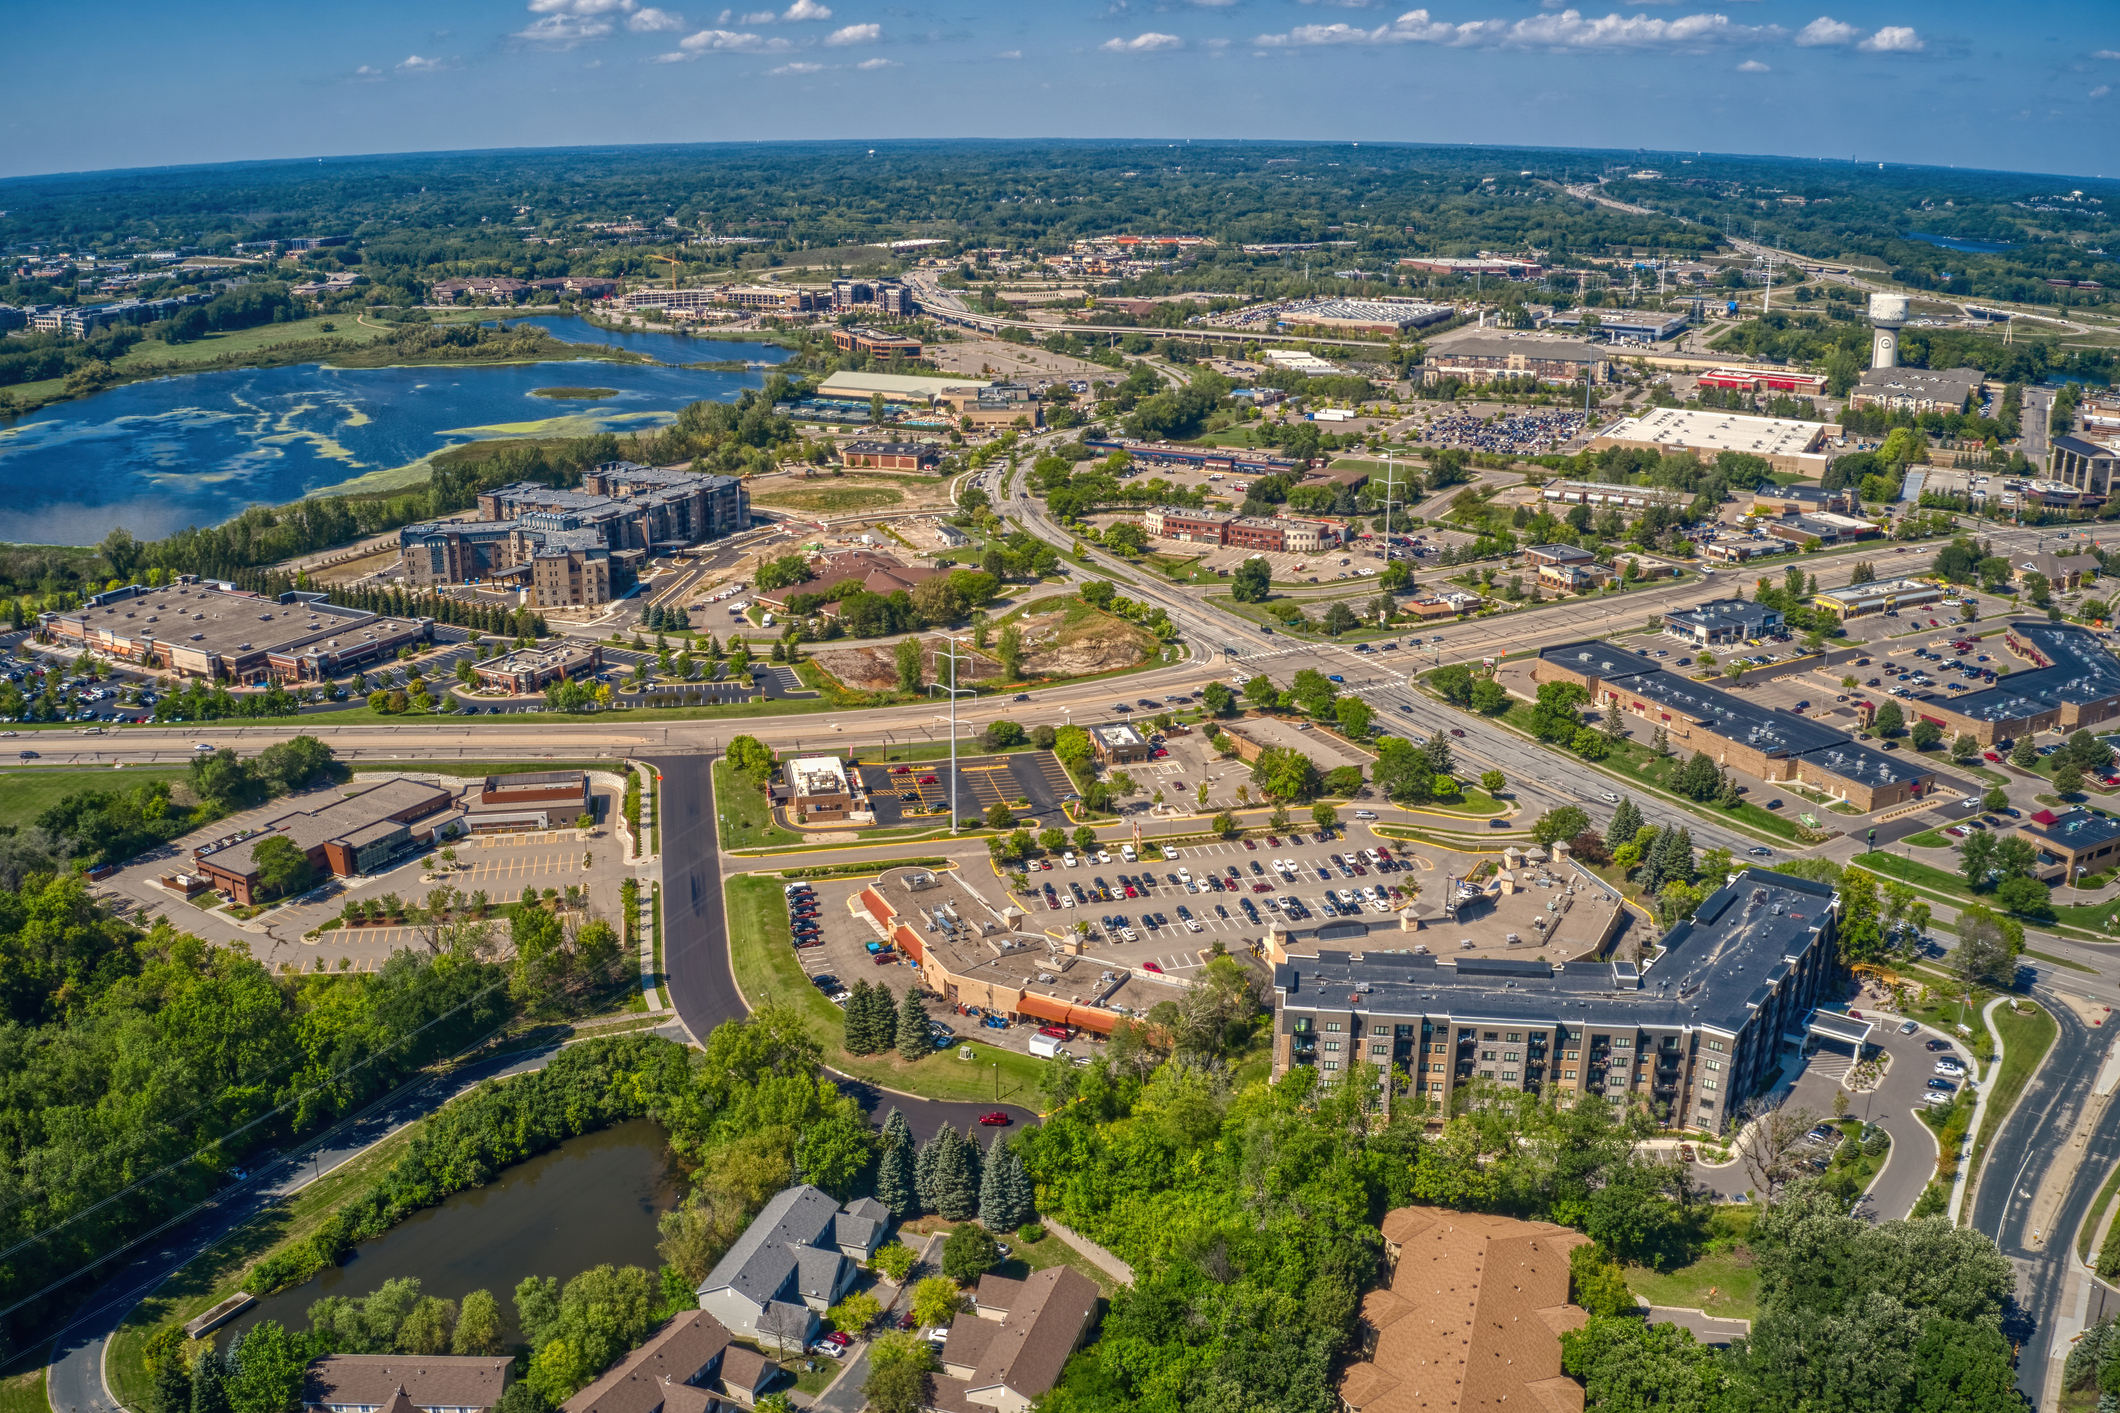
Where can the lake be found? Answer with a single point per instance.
(157, 456)
(593, 1200)
(1960, 244)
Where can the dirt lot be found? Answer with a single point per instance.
(992, 358)
(874, 667)
(1078, 640)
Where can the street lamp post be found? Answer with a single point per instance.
(954, 690)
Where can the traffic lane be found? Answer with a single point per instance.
(695, 924)
(928, 1116)
(2032, 1139)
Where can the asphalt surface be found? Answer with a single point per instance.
(74, 1381)
(2031, 1149)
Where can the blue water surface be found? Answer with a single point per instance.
(1959, 243)
(157, 456)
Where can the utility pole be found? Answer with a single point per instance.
(952, 657)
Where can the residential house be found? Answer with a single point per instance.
(428, 1383)
(795, 1260)
(677, 1370)
(1008, 1351)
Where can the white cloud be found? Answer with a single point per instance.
(854, 34)
(1894, 39)
(2107, 54)
(1345, 4)
(1010, 54)
(582, 7)
(797, 68)
(367, 71)
(756, 17)
(1567, 30)
(1142, 43)
(564, 31)
(1753, 66)
(414, 64)
(727, 41)
(806, 10)
(1826, 30)
(877, 64)
(2099, 92)
(654, 21)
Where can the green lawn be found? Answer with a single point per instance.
(474, 770)
(763, 956)
(2096, 1215)
(243, 341)
(2088, 917)
(746, 812)
(1927, 839)
(23, 1392)
(1723, 1283)
(2026, 1037)
(26, 793)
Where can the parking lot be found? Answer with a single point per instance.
(905, 792)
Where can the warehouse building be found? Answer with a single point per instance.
(1786, 445)
(1691, 1031)
(1619, 497)
(899, 389)
(211, 629)
(1781, 380)
(1631, 325)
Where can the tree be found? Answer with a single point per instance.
(1339, 618)
(1777, 1146)
(1557, 824)
(895, 1261)
(2067, 780)
(899, 1363)
(209, 1392)
(1282, 773)
(1324, 815)
(895, 1187)
(1005, 1196)
(429, 1328)
(998, 815)
(1225, 824)
(856, 1312)
(969, 1253)
(937, 1300)
(1342, 780)
(1976, 858)
(1252, 582)
(1889, 721)
(1626, 821)
(1355, 717)
(283, 869)
(1218, 698)
(1964, 747)
(915, 1036)
(1008, 651)
(1555, 717)
(1626, 1363)
(2024, 755)
(1926, 734)
(1261, 692)
(908, 658)
(478, 1325)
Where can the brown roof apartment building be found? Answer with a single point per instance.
(1009, 1350)
(688, 1365)
(432, 1383)
(1470, 1315)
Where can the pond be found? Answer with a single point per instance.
(1961, 244)
(593, 1200)
(196, 449)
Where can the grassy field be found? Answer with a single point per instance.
(246, 341)
(23, 1392)
(473, 770)
(575, 394)
(2090, 917)
(2096, 1215)
(746, 814)
(766, 967)
(26, 793)
(829, 499)
(2026, 1037)
(1723, 1283)
(1927, 839)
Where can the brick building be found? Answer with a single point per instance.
(349, 836)
(528, 670)
(2074, 686)
(892, 456)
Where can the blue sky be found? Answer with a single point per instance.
(120, 83)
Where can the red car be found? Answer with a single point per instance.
(927, 780)
(901, 770)
(998, 1119)
(1151, 966)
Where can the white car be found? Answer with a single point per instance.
(1068, 858)
(1950, 1069)
(1937, 1096)
(1103, 857)
(1185, 875)
(1192, 924)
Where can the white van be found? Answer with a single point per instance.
(1126, 851)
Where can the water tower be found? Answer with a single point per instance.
(1888, 315)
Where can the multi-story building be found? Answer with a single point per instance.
(503, 287)
(1691, 1031)
(1782, 380)
(875, 344)
(1206, 527)
(1482, 358)
(771, 298)
(2085, 462)
(205, 628)
(571, 547)
(1272, 535)
(1917, 389)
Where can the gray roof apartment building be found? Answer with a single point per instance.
(575, 547)
(1693, 1030)
(795, 1259)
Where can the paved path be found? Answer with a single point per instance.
(844, 1395)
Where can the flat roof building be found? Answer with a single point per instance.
(1624, 497)
(892, 456)
(2073, 842)
(349, 836)
(541, 799)
(2075, 685)
(1119, 744)
(904, 388)
(205, 628)
(528, 670)
(1785, 445)
(1880, 596)
(1379, 316)
(1763, 380)
(1691, 1031)
(1647, 325)
(1482, 358)
(1917, 389)
(1722, 621)
(819, 788)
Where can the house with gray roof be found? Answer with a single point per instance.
(794, 1260)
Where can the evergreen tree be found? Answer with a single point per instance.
(925, 1163)
(956, 1176)
(1626, 822)
(880, 1019)
(856, 1037)
(1004, 1190)
(894, 1169)
(1727, 796)
(209, 1394)
(1651, 873)
(914, 1037)
(1678, 860)
(172, 1383)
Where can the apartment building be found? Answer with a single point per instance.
(1482, 358)
(1692, 1030)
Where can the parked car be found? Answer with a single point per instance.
(997, 1119)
